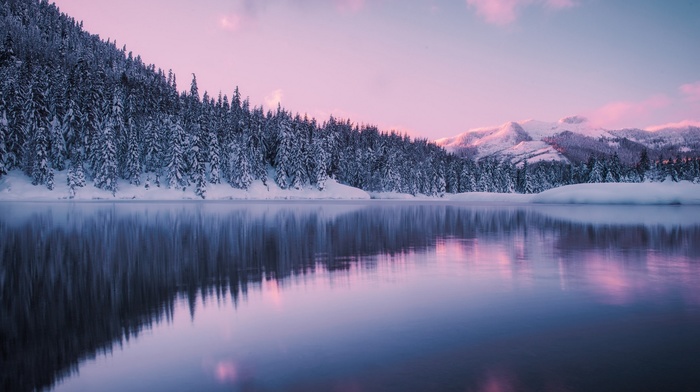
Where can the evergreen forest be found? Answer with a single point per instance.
(70, 101)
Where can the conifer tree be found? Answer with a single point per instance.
(4, 130)
(176, 162)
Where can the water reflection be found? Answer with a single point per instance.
(78, 280)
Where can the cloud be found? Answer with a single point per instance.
(274, 98)
(679, 124)
(231, 22)
(244, 15)
(626, 113)
(691, 91)
(504, 12)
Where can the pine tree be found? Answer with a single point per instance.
(199, 175)
(241, 176)
(214, 157)
(106, 170)
(320, 164)
(176, 162)
(528, 185)
(597, 174)
(4, 130)
(58, 144)
(133, 165)
(38, 129)
(643, 165)
(283, 155)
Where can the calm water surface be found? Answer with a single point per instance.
(344, 296)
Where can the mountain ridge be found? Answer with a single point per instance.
(571, 139)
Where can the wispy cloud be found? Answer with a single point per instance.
(679, 124)
(233, 21)
(504, 12)
(274, 98)
(624, 113)
(245, 13)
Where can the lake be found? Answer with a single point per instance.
(348, 296)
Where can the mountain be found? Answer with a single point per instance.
(571, 139)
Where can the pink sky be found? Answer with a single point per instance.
(431, 68)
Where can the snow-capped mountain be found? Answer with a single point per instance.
(571, 139)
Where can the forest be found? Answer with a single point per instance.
(72, 101)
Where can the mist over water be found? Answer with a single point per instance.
(348, 296)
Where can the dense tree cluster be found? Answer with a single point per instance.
(71, 101)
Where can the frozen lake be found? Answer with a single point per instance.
(348, 296)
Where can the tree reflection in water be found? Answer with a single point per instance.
(78, 279)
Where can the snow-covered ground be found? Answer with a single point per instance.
(648, 193)
(16, 186)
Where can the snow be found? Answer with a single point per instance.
(525, 139)
(648, 193)
(521, 140)
(15, 186)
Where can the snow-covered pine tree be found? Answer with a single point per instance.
(240, 170)
(105, 171)
(38, 129)
(4, 131)
(320, 162)
(597, 174)
(298, 156)
(643, 165)
(58, 144)
(199, 173)
(284, 151)
(214, 155)
(258, 149)
(507, 173)
(176, 174)
(153, 149)
(133, 165)
(132, 155)
(528, 183)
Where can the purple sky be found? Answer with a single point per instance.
(431, 68)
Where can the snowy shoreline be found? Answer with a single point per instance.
(15, 186)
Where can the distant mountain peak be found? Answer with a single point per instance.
(572, 139)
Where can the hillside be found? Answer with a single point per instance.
(571, 139)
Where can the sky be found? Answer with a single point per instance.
(430, 68)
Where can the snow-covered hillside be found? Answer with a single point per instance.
(569, 139)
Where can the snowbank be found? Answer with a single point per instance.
(17, 186)
(649, 193)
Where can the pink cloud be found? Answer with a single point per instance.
(274, 98)
(504, 12)
(679, 124)
(626, 113)
(231, 22)
(691, 91)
